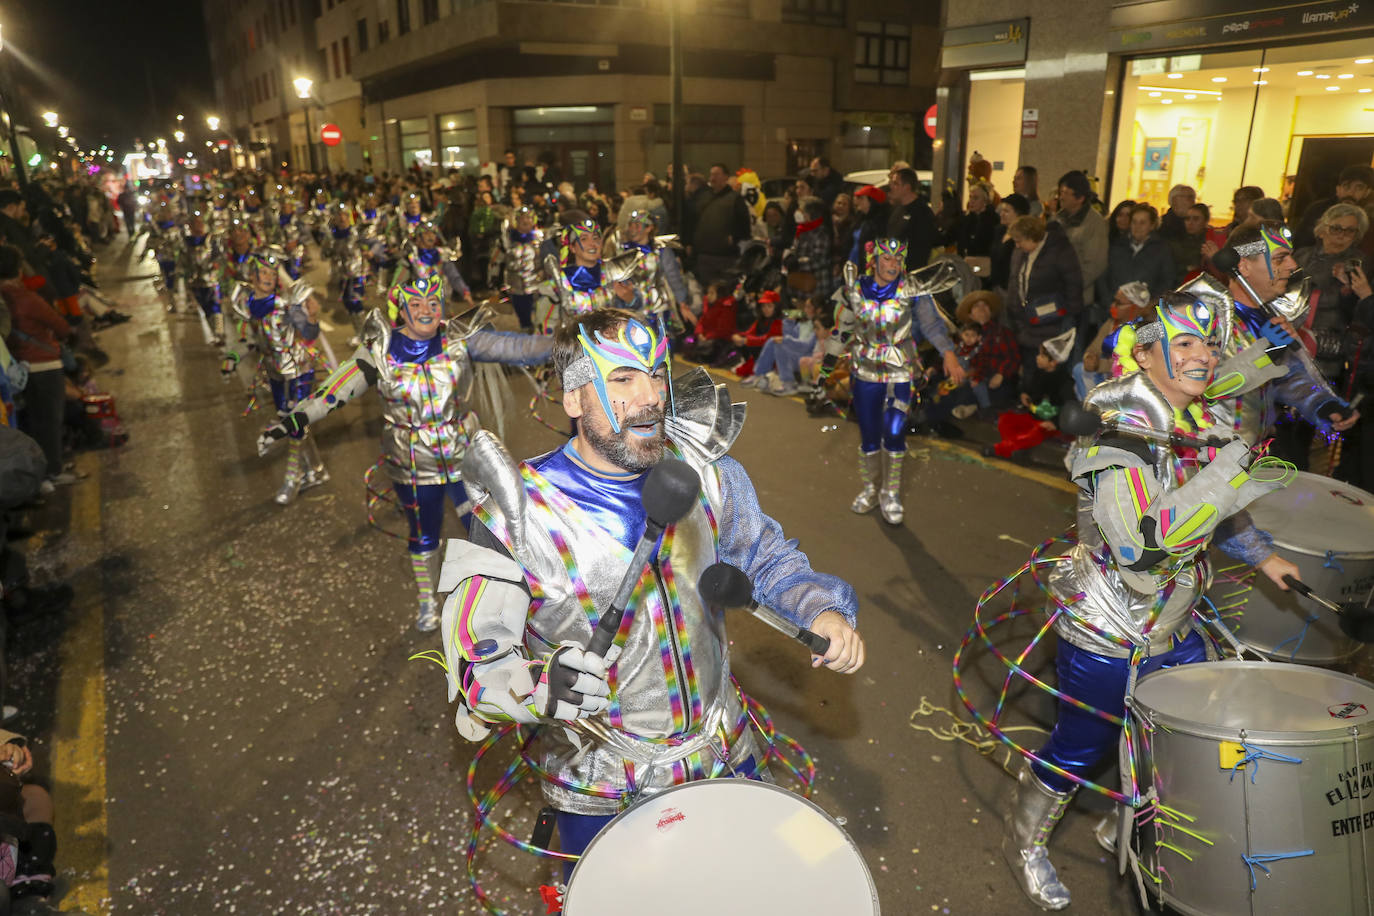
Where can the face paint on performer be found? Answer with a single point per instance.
(620, 408)
(584, 242)
(1178, 350)
(887, 260)
(1268, 276)
(420, 304)
(263, 271)
(524, 221)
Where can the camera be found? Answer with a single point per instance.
(1353, 264)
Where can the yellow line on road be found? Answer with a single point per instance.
(1044, 478)
(79, 735)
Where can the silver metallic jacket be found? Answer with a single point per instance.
(516, 263)
(659, 274)
(201, 263)
(727, 524)
(1128, 487)
(879, 333)
(280, 336)
(1249, 386)
(427, 423)
(572, 302)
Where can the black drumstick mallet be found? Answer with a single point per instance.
(669, 494)
(724, 585)
(1356, 620)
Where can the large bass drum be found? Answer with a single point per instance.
(1325, 528)
(1258, 779)
(721, 846)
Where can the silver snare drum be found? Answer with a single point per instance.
(1265, 779)
(1325, 528)
(721, 846)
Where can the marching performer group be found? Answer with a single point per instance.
(550, 542)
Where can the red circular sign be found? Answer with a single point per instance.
(930, 121)
(330, 135)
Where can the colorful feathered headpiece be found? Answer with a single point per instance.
(894, 247)
(570, 233)
(1174, 315)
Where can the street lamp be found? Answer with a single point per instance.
(62, 131)
(180, 135)
(50, 118)
(212, 122)
(303, 86)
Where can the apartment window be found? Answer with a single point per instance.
(882, 53)
(334, 50)
(429, 11)
(362, 35)
(383, 32)
(323, 72)
(291, 8)
(348, 58)
(415, 146)
(458, 140)
(402, 17)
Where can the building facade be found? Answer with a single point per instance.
(454, 83)
(1145, 94)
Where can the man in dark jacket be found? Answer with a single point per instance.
(1045, 296)
(720, 223)
(13, 230)
(826, 182)
(910, 219)
(871, 205)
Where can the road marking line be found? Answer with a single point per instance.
(79, 735)
(1043, 478)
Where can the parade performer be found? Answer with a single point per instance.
(286, 232)
(349, 265)
(280, 325)
(1257, 374)
(552, 544)
(165, 240)
(201, 264)
(423, 255)
(581, 280)
(883, 316)
(403, 222)
(1124, 596)
(423, 371)
(515, 263)
(658, 276)
(237, 248)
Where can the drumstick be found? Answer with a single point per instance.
(727, 586)
(1356, 621)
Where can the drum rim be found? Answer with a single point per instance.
(1306, 550)
(1175, 723)
(863, 863)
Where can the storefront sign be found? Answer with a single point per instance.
(639, 113)
(930, 121)
(330, 135)
(1161, 24)
(1030, 123)
(985, 45)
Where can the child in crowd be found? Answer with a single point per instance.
(718, 322)
(1127, 305)
(1044, 390)
(768, 324)
(775, 370)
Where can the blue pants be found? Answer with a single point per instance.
(1082, 740)
(882, 421)
(207, 299)
(524, 309)
(354, 289)
(288, 392)
(785, 355)
(576, 831)
(424, 508)
(1085, 381)
(169, 273)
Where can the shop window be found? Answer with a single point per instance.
(429, 11)
(817, 12)
(882, 53)
(334, 49)
(415, 145)
(402, 17)
(458, 140)
(710, 133)
(348, 58)
(362, 35)
(383, 32)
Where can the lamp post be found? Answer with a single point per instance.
(6, 98)
(303, 86)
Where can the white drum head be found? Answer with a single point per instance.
(1314, 514)
(1258, 697)
(721, 846)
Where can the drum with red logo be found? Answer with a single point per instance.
(721, 846)
(1325, 528)
(1257, 784)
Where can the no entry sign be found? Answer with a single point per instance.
(330, 135)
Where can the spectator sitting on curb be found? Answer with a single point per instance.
(26, 813)
(775, 370)
(767, 324)
(1044, 390)
(719, 322)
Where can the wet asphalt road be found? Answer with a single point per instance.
(266, 746)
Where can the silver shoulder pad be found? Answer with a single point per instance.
(376, 336)
(621, 268)
(704, 423)
(490, 473)
(297, 293)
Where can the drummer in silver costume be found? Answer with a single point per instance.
(553, 545)
(1127, 589)
(279, 324)
(424, 255)
(1256, 374)
(884, 316)
(581, 280)
(658, 276)
(423, 372)
(201, 260)
(514, 266)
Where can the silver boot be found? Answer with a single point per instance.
(357, 319)
(890, 498)
(1034, 813)
(311, 463)
(426, 569)
(295, 474)
(217, 329)
(868, 473)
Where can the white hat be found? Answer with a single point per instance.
(1136, 292)
(1060, 346)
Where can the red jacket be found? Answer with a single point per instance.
(758, 335)
(37, 321)
(718, 319)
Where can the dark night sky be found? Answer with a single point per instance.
(86, 60)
